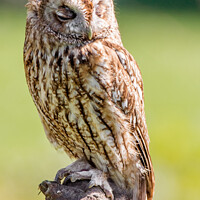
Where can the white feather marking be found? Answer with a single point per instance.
(125, 104)
(140, 92)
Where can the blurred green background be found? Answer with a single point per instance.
(164, 37)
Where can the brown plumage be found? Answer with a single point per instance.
(88, 89)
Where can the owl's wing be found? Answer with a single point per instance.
(135, 108)
(119, 75)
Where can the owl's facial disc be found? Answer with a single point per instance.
(65, 20)
(64, 14)
(73, 21)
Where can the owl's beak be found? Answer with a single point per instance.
(90, 33)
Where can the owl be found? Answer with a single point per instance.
(88, 91)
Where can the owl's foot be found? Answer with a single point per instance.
(82, 170)
(96, 177)
(77, 166)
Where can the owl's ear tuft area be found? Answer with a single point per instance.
(32, 10)
(104, 8)
(33, 5)
(105, 2)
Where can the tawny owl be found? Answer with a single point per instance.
(88, 91)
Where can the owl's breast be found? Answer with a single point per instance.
(70, 101)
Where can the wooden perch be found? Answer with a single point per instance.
(79, 191)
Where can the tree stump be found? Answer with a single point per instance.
(79, 191)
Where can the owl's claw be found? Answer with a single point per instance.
(61, 174)
(78, 166)
(82, 170)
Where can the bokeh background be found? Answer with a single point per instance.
(164, 37)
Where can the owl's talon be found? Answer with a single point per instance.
(77, 166)
(67, 180)
(61, 174)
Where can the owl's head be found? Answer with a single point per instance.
(74, 20)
